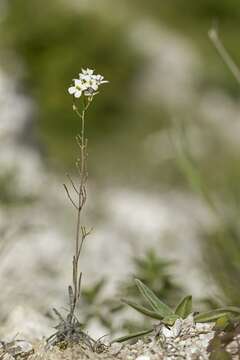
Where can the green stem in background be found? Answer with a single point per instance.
(227, 59)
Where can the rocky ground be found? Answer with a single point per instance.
(39, 261)
(185, 340)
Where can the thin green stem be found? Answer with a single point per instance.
(81, 233)
(227, 59)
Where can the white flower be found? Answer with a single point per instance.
(100, 79)
(87, 84)
(92, 84)
(77, 89)
(87, 72)
(86, 75)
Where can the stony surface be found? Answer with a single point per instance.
(185, 340)
(44, 254)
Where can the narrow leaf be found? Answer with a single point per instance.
(143, 310)
(79, 286)
(57, 313)
(170, 319)
(184, 308)
(220, 354)
(156, 304)
(214, 315)
(132, 336)
(70, 294)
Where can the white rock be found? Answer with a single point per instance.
(143, 357)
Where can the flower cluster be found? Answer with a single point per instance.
(87, 84)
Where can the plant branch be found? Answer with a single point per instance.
(72, 183)
(69, 196)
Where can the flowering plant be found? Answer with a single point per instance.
(69, 329)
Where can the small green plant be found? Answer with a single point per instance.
(155, 271)
(160, 311)
(149, 268)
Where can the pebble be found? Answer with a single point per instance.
(20, 348)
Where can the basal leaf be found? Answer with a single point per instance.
(156, 304)
(222, 323)
(214, 315)
(132, 336)
(170, 319)
(220, 354)
(143, 310)
(184, 308)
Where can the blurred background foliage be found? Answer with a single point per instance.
(221, 242)
(46, 43)
(52, 47)
(55, 44)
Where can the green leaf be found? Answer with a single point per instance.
(214, 315)
(184, 308)
(217, 350)
(132, 336)
(220, 355)
(143, 310)
(156, 304)
(170, 319)
(222, 323)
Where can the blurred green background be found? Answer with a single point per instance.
(52, 43)
(174, 130)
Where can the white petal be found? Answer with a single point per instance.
(87, 77)
(84, 86)
(72, 90)
(94, 86)
(99, 77)
(89, 71)
(77, 94)
(77, 82)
